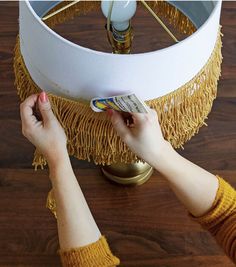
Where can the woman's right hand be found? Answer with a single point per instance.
(144, 136)
(45, 133)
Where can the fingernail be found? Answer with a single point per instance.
(109, 112)
(43, 97)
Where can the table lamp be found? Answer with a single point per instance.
(178, 81)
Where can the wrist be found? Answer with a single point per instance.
(56, 156)
(164, 156)
(59, 162)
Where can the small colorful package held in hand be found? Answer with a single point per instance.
(126, 103)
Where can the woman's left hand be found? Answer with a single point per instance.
(46, 134)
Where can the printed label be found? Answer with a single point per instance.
(127, 103)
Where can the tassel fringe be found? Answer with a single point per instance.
(51, 203)
(173, 16)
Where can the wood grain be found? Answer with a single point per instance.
(146, 226)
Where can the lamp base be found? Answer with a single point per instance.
(128, 174)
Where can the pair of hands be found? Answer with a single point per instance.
(144, 136)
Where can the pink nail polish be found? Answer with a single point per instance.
(43, 97)
(109, 112)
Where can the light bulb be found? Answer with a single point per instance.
(122, 12)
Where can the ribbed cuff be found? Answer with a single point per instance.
(97, 254)
(223, 206)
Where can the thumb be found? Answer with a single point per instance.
(45, 107)
(119, 124)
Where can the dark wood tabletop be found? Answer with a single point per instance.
(146, 226)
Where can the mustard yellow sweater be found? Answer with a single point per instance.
(220, 221)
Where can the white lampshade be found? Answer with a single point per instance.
(65, 68)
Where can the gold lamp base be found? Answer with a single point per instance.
(128, 174)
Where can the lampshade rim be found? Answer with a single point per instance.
(100, 53)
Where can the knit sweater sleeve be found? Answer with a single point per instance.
(220, 221)
(94, 255)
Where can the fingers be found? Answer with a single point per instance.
(26, 110)
(141, 118)
(45, 107)
(119, 124)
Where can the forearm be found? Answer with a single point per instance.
(76, 226)
(195, 187)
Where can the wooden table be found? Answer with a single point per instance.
(146, 226)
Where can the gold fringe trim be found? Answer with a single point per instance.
(51, 203)
(91, 135)
(174, 17)
(39, 160)
(162, 8)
